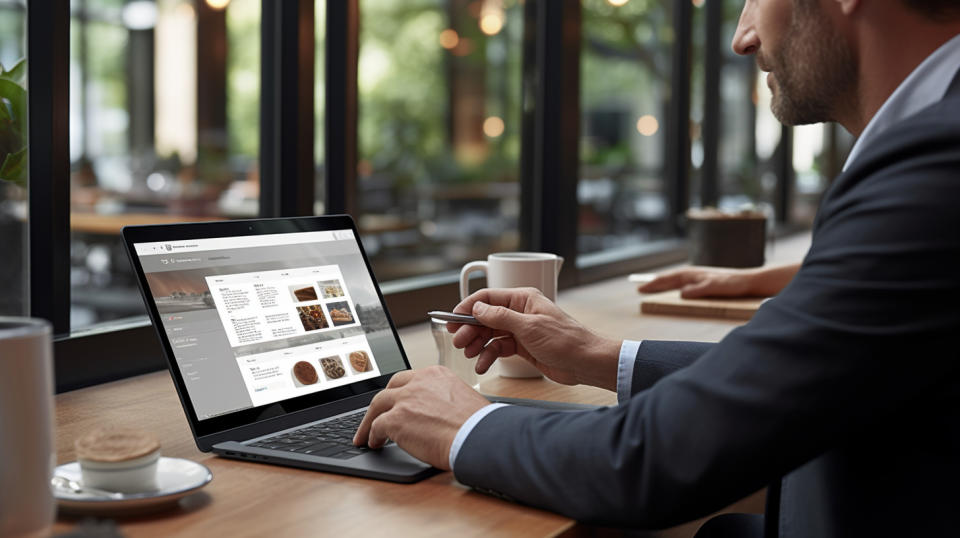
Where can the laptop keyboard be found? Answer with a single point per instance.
(330, 439)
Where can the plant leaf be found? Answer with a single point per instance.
(14, 168)
(13, 92)
(18, 73)
(6, 112)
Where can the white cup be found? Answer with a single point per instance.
(515, 270)
(27, 453)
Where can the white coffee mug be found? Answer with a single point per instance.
(27, 453)
(515, 270)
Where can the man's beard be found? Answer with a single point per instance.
(814, 70)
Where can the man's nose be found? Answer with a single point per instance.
(745, 39)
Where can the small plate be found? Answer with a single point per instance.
(176, 478)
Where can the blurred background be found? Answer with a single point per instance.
(165, 111)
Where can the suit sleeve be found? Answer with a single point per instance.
(863, 332)
(656, 360)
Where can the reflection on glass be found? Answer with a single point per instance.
(164, 127)
(439, 132)
(13, 157)
(625, 78)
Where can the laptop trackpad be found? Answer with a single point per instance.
(389, 457)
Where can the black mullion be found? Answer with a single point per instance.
(141, 98)
(713, 60)
(340, 136)
(678, 132)
(48, 72)
(286, 108)
(529, 89)
(269, 95)
(550, 207)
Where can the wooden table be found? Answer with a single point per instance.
(250, 499)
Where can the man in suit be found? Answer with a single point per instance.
(846, 384)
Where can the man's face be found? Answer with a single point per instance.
(812, 70)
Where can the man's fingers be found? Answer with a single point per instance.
(475, 347)
(469, 333)
(380, 404)
(498, 317)
(379, 430)
(486, 359)
(697, 289)
(500, 347)
(669, 281)
(495, 296)
(661, 283)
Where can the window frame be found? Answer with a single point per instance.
(551, 58)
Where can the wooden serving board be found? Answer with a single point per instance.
(670, 302)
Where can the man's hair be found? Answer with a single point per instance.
(935, 9)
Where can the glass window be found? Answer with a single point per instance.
(164, 127)
(319, 130)
(740, 181)
(439, 132)
(819, 153)
(625, 91)
(698, 74)
(13, 158)
(748, 133)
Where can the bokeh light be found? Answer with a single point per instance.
(493, 126)
(449, 39)
(647, 125)
(491, 24)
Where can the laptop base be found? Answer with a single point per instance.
(391, 463)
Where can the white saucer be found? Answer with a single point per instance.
(176, 478)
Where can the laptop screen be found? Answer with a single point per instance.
(259, 319)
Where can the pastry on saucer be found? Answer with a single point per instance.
(118, 459)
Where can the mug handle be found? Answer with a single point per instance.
(465, 276)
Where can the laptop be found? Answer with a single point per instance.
(277, 338)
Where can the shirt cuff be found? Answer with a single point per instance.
(468, 427)
(628, 357)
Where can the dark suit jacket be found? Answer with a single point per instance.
(847, 383)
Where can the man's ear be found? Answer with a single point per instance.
(847, 7)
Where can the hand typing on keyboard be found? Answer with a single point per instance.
(421, 411)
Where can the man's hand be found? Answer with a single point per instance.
(701, 282)
(421, 411)
(521, 321)
(716, 282)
